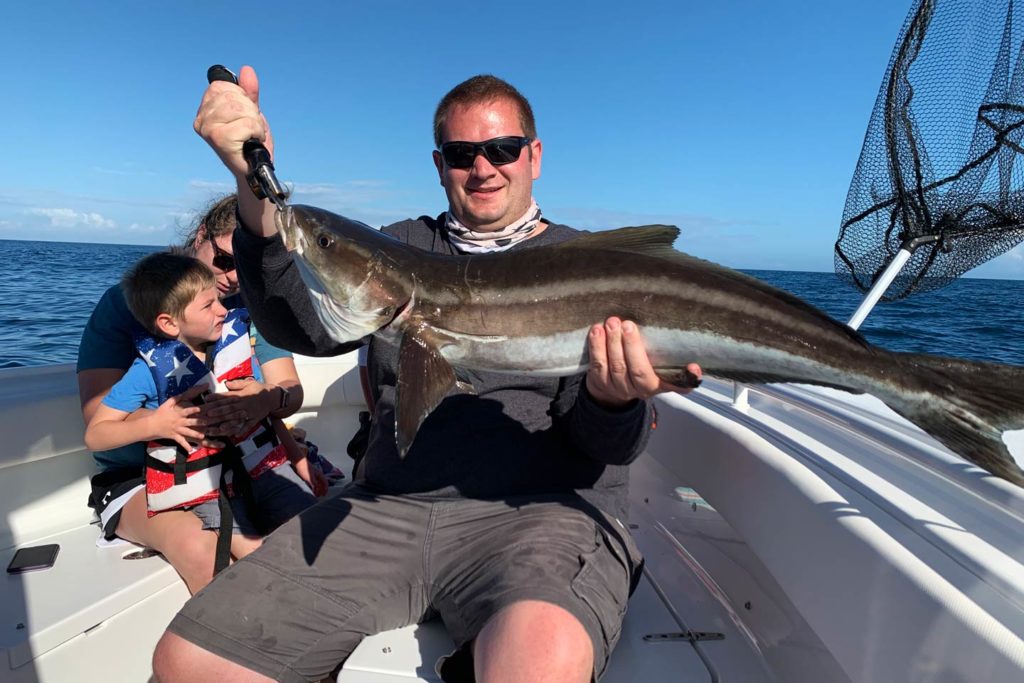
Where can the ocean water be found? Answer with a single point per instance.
(49, 289)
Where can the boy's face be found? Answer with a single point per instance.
(202, 320)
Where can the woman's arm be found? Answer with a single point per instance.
(281, 376)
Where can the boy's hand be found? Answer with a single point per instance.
(176, 417)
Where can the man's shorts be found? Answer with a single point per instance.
(361, 563)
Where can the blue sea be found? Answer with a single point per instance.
(49, 289)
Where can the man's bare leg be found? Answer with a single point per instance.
(535, 642)
(177, 660)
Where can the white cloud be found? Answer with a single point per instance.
(211, 186)
(143, 229)
(67, 218)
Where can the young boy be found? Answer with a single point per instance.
(175, 298)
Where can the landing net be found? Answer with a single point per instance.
(942, 167)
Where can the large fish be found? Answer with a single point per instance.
(529, 311)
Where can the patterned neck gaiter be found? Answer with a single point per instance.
(469, 242)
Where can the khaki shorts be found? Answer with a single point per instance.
(360, 563)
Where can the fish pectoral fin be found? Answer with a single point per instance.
(424, 379)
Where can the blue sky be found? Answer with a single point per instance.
(740, 121)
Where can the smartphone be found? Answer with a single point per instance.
(34, 557)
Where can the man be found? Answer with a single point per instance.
(505, 517)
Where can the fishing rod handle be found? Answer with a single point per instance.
(261, 178)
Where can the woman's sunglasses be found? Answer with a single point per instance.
(498, 151)
(222, 260)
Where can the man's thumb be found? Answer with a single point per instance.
(250, 83)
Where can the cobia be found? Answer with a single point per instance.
(528, 312)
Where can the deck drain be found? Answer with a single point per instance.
(140, 554)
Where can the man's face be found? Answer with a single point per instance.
(485, 197)
(218, 255)
(202, 320)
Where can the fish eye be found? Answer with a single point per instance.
(324, 240)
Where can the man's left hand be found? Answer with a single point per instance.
(620, 370)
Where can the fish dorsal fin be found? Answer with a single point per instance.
(649, 240)
(655, 240)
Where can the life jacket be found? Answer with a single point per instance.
(176, 478)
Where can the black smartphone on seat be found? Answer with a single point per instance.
(32, 558)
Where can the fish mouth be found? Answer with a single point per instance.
(288, 228)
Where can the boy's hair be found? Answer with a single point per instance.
(165, 282)
(478, 90)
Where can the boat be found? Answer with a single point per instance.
(791, 533)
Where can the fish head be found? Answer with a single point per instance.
(354, 274)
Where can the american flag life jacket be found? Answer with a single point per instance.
(176, 478)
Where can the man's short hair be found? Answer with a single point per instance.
(478, 90)
(164, 282)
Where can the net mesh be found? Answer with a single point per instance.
(940, 168)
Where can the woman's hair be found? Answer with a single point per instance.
(164, 282)
(218, 219)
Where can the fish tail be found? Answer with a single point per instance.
(966, 405)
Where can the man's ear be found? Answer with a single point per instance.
(167, 325)
(535, 150)
(439, 164)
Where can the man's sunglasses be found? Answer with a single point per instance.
(222, 260)
(498, 151)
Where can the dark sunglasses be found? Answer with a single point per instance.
(498, 151)
(222, 260)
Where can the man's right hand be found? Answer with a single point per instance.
(229, 115)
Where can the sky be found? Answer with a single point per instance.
(740, 121)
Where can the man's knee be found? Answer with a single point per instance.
(167, 658)
(177, 660)
(534, 638)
